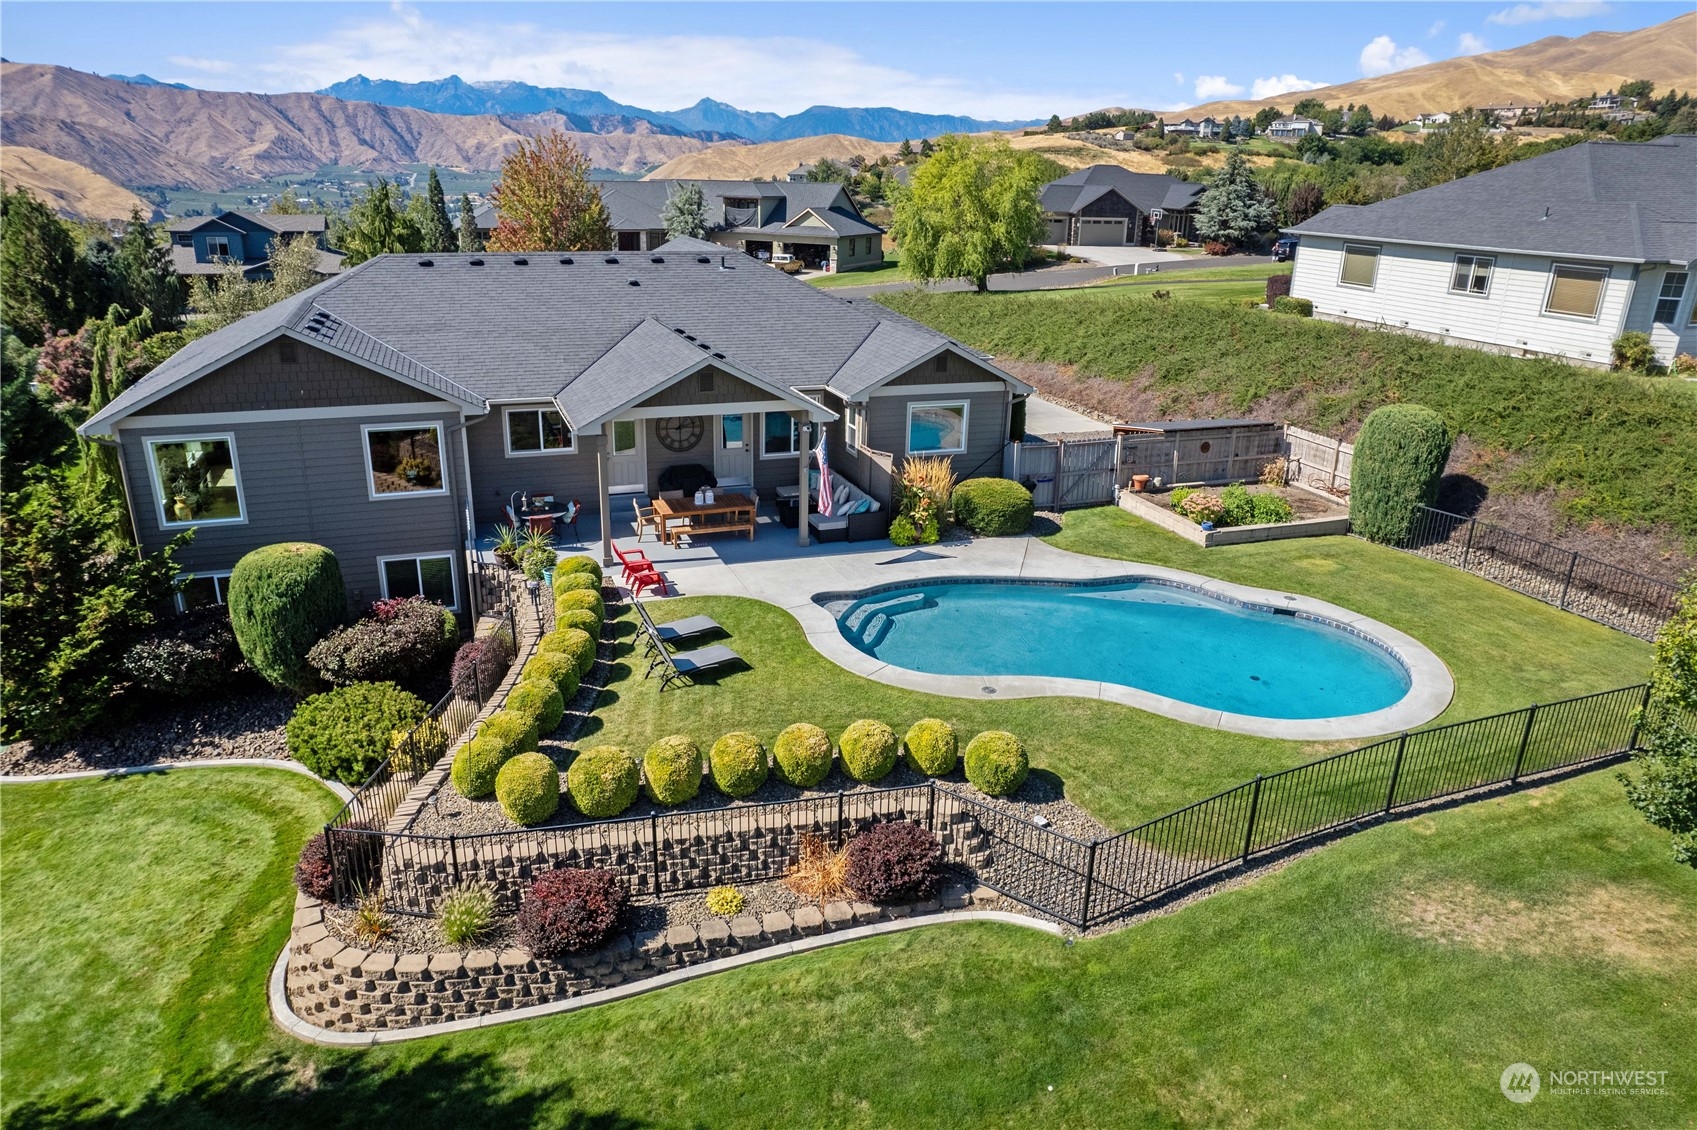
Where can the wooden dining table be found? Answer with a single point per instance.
(727, 513)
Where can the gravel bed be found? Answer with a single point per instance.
(241, 725)
(1615, 612)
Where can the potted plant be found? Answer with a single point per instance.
(507, 546)
(536, 546)
(418, 472)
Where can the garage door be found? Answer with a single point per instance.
(1101, 233)
(1058, 230)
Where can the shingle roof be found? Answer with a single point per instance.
(308, 222)
(635, 205)
(1623, 201)
(1147, 191)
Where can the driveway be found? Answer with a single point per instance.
(1128, 256)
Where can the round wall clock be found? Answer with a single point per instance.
(679, 433)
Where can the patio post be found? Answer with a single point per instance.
(606, 507)
(801, 464)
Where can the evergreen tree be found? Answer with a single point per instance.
(437, 235)
(685, 212)
(1265, 117)
(468, 238)
(1360, 121)
(39, 268)
(377, 226)
(1233, 208)
(147, 280)
(925, 147)
(970, 210)
(547, 200)
(1054, 124)
(904, 152)
(827, 171)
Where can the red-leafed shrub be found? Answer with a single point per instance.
(399, 638)
(895, 862)
(569, 910)
(1215, 247)
(481, 664)
(1278, 286)
(313, 876)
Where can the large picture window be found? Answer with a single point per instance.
(781, 436)
(1472, 274)
(936, 429)
(538, 431)
(196, 480)
(403, 459)
(1360, 265)
(431, 577)
(1575, 292)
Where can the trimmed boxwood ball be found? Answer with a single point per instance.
(346, 733)
(1399, 460)
(803, 754)
(574, 582)
(992, 508)
(579, 618)
(603, 781)
(514, 730)
(575, 644)
(528, 787)
(476, 765)
(996, 763)
(932, 747)
(578, 564)
(869, 749)
(561, 670)
(573, 599)
(283, 599)
(671, 770)
(738, 763)
(540, 700)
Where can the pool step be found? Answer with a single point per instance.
(872, 621)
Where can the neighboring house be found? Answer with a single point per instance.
(1431, 121)
(207, 245)
(1511, 113)
(1109, 206)
(1557, 255)
(1294, 129)
(817, 223)
(1610, 101)
(798, 175)
(392, 411)
(1185, 128)
(1208, 129)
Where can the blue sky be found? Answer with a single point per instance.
(992, 60)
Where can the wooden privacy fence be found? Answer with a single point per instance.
(1318, 460)
(1067, 473)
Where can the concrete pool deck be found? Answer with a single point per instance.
(794, 580)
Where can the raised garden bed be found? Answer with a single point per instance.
(1316, 515)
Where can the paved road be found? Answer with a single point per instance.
(1056, 277)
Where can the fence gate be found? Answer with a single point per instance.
(1084, 475)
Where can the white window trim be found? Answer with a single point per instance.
(507, 433)
(854, 423)
(965, 427)
(1544, 310)
(1378, 251)
(371, 473)
(796, 438)
(220, 579)
(211, 254)
(1490, 274)
(1678, 301)
(453, 572)
(159, 487)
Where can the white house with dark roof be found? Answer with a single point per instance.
(1295, 129)
(1557, 255)
(1111, 206)
(207, 245)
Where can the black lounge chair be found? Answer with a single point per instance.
(673, 632)
(685, 665)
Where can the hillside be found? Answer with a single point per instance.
(1553, 69)
(769, 159)
(67, 187)
(160, 135)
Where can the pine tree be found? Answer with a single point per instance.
(904, 152)
(375, 226)
(468, 240)
(438, 234)
(547, 201)
(685, 211)
(146, 278)
(925, 147)
(1233, 208)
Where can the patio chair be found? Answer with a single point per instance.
(683, 666)
(631, 561)
(574, 510)
(649, 578)
(645, 518)
(673, 632)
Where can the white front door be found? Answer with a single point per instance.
(627, 457)
(733, 450)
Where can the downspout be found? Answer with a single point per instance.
(470, 515)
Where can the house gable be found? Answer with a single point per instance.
(262, 381)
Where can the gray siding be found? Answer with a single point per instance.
(688, 393)
(495, 475)
(263, 381)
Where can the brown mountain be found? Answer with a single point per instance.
(1553, 69)
(161, 135)
(67, 187)
(770, 158)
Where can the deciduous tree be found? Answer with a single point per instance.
(547, 201)
(971, 210)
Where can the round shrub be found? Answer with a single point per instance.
(578, 564)
(1301, 307)
(575, 644)
(561, 670)
(603, 781)
(932, 747)
(480, 664)
(575, 582)
(313, 876)
(996, 763)
(399, 638)
(188, 656)
(672, 770)
(1399, 459)
(539, 700)
(283, 599)
(992, 508)
(569, 910)
(513, 730)
(803, 754)
(895, 862)
(345, 733)
(869, 749)
(580, 599)
(528, 787)
(738, 763)
(477, 764)
(580, 618)
(726, 902)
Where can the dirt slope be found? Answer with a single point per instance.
(67, 187)
(770, 159)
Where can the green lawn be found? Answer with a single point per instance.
(890, 272)
(1384, 980)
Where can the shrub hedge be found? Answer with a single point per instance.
(561, 670)
(515, 731)
(580, 599)
(528, 788)
(575, 644)
(283, 599)
(1399, 460)
(539, 700)
(896, 861)
(996, 763)
(580, 618)
(603, 781)
(1301, 307)
(346, 733)
(993, 507)
(477, 764)
(569, 910)
(400, 638)
(803, 754)
(869, 749)
(671, 770)
(738, 764)
(575, 582)
(932, 747)
(578, 564)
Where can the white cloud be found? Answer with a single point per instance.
(1209, 87)
(1178, 77)
(1432, 32)
(1274, 85)
(1471, 44)
(1538, 13)
(1382, 56)
(209, 66)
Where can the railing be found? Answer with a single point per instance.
(1083, 883)
(1627, 601)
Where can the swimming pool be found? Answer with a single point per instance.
(1169, 640)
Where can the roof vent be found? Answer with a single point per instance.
(720, 356)
(657, 259)
(689, 337)
(703, 346)
(614, 259)
(677, 329)
(475, 263)
(703, 259)
(636, 282)
(521, 262)
(427, 262)
(566, 262)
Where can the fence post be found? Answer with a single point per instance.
(654, 834)
(1467, 550)
(1638, 719)
(454, 856)
(336, 885)
(476, 684)
(839, 818)
(1089, 883)
(1254, 807)
(931, 805)
(1525, 737)
(1567, 582)
(1396, 772)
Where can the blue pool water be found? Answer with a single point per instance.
(1156, 637)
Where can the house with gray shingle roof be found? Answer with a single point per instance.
(1556, 255)
(392, 412)
(207, 245)
(1111, 206)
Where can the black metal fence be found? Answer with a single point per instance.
(1083, 883)
(1608, 594)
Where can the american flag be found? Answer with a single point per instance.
(824, 477)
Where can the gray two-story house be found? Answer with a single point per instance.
(207, 245)
(391, 413)
(1110, 206)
